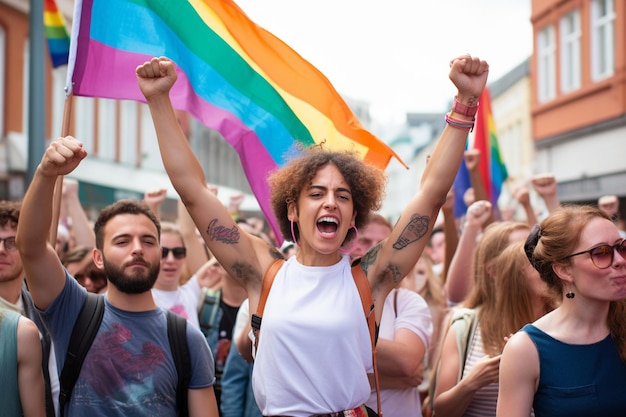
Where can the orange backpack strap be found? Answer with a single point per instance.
(363, 286)
(268, 280)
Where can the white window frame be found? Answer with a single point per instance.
(128, 132)
(3, 60)
(107, 123)
(602, 38)
(570, 55)
(546, 64)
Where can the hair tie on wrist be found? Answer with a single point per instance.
(467, 125)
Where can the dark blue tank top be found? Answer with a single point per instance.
(578, 380)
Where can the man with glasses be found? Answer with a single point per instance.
(14, 296)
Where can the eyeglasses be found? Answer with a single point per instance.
(179, 252)
(602, 256)
(9, 243)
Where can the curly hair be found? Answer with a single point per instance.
(126, 206)
(9, 213)
(366, 182)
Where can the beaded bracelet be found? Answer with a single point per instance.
(460, 124)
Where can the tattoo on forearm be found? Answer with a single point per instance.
(415, 230)
(223, 234)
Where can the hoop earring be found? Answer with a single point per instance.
(293, 235)
(353, 241)
(570, 294)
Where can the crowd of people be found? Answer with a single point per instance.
(490, 314)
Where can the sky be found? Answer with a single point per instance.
(395, 54)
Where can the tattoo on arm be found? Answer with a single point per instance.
(395, 273)
(370, 257)
(414, 230)
(223, 234)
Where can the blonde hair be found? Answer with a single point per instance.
(514, 299)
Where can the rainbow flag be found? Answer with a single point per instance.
(492, 168)
(264, 98)
(56, 33)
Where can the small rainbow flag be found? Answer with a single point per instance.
(234, 76)
(56, 33)
(491, 166)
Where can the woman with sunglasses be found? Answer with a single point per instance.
(168, 293)
(572, 361)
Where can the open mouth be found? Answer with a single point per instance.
(327, 226)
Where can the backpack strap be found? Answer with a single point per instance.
(177, 335)
(268, 280)
(463, 322)
(365, 292)
(210, 305)
(83, 334)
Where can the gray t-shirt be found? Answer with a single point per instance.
(129, 369)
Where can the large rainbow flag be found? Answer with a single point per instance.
(491, 166)
(263, 97)
(56, 33)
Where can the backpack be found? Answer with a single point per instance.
(84, 333)
(463, 321)
(209, 315)
(363, 286)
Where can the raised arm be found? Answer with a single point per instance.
(244, 257)
(72, 208)
(472, 161)
(459, 281)
(545, 185)
(389, 263)
(44, 272)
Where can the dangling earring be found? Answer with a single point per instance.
(353, 240)
(293, 235)
(570, 294)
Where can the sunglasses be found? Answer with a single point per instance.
(179, 252)
(602, 256)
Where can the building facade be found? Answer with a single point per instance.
(579, 96)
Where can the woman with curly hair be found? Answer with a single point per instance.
(572, 361)
(315, 352)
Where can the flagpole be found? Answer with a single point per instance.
(58, 185)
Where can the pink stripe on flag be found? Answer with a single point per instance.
(253, 155)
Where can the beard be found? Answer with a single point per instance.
(136, 283)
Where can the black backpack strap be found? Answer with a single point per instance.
(177, 335)
(82, 337)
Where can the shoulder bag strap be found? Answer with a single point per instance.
(363, 286)
(268, 280)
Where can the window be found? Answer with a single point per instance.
(602, 39)
(3, 58)
(546, 83)
(570, 51)
(107, 123)
(128, 132)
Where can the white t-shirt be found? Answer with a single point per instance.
(184, 301)
(314, 350)
(411, 312)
